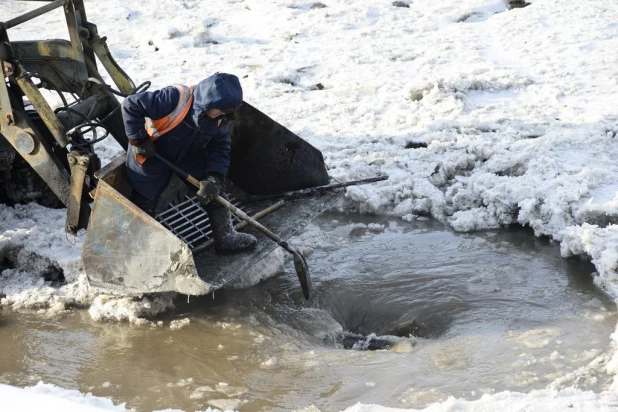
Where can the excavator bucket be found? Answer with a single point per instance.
(130, 251)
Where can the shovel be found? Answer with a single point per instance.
(300, 264)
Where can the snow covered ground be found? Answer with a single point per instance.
(45, 397)
(517, 109)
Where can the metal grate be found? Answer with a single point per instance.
(189, 221)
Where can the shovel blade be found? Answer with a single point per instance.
(302, 271)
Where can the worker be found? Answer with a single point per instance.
(189, 127)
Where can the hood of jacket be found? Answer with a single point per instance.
(219, 91)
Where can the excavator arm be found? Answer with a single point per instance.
(57, 144)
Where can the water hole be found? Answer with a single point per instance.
(452, 314)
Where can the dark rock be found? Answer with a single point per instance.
(516, 4)
(288, 81)
(371, 342)
(318, 5)
(415, 145)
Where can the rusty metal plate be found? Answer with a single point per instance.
(127, 250)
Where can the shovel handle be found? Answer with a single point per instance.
(300, 264)
(248, 219)
(193, 181)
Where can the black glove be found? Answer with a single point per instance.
(209, 189)
(144, 148)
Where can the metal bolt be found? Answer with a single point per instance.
(84, 33)
(8, 68)
(24, 142)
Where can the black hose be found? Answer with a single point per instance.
(56, 89)
(119, 93)
(91, 125)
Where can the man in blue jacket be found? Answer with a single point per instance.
(188, 127)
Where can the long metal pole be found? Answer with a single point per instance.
(34, 13)
(296, 194)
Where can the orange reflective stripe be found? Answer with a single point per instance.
(152, 131)
(157, 128)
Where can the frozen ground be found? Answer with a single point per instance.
(517, 110)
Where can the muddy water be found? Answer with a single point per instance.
(465, 314)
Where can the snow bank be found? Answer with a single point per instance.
(537, 400)
(53, 398)
(46, 397)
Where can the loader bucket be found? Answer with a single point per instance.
(267, 158)
(127, 250)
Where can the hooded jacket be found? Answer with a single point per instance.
(199, 145)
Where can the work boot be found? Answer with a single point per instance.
(228, 240)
